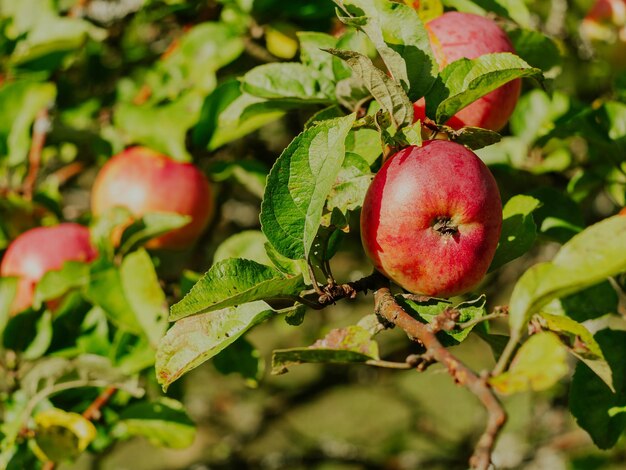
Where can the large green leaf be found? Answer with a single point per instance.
(144, 294)
(588, 258)
(538, 365)
(163, 422)
(288, 81)
(228, 114)
(20, 102)
(298, 185)
(352, 183)
(597, 409)
(196, 339)
(234, 282)
(465, 80)
(401, 39)
(385, 90)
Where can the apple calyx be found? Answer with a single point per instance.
(444, 225)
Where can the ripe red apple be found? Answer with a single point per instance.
(431, 219)
(456, 35)
(43, 249)
(143, 180)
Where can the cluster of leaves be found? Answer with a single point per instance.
(193, 79)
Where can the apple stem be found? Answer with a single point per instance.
(389, 310)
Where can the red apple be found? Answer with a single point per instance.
(143, 180)
(43, 249)
(454, 36)
(431, 219)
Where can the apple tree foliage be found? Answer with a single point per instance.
(197, 81)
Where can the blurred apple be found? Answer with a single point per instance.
(143, 180)
(43, 249)
(456, 35)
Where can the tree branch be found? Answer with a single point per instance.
(40, 129)
(387, 307)
(92, 412)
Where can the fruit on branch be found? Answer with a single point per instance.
(431, 219)
(143, 180)
(456, 35)
(43, 249)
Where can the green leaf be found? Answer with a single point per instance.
(8, 289)
(242, 358)
(50, 39)
(233, 282)
(106, 290)
(518, 229)
(196, 339)
(428, 309)
(298, 185)
(175, 119)
(54, 284)
(289, 81)
(581, 343)
(588, 258)
(312, 54)
(351, 185)
(401, 39)
(592, 402)
(538, 365)
(144, 294)
(149, 226)
(385, 90)
(593, 302)
(202, 51)
(164, 423)
(466, 80)
(20, 102)
(341, 345)
(42, 340)
(249, 244)
(251, 174)
(228, 114)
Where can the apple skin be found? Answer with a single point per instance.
(144, 180)
(43, 249)
(456, 35)
(431, 219)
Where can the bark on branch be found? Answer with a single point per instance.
(388, 308)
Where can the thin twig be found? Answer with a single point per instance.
(387, 307)
(92, 412)
(476, 321)
(505, 357)
(40, 129)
